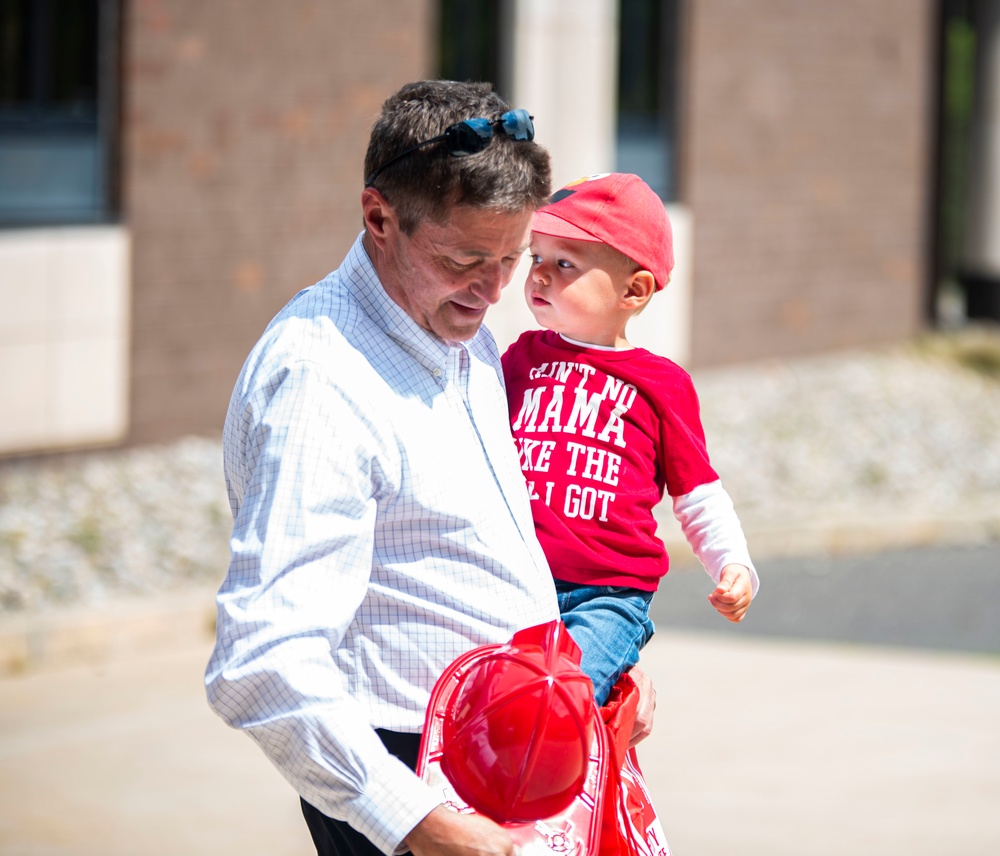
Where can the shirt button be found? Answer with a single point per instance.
(438, 372)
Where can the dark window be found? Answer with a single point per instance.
(58, 111)
(472, 41)
(473, 45)
(647, 92)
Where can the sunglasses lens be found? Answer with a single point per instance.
(518, 126)
(469, 137)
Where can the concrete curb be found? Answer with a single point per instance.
(97, 634)
(127, 628)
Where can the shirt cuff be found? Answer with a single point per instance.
(395, 800)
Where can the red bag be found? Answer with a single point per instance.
(629, 825)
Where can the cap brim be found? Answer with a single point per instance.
(548, 224)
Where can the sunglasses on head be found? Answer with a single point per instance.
(470, 137)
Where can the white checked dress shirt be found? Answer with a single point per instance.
(382, 528)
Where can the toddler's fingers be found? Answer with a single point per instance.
(723, 594)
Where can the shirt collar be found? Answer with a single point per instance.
(363, 282)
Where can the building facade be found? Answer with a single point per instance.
(801, 161)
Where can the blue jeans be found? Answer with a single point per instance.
(610, 624)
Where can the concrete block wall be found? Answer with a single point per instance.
(64, 321)
(807, 138)
(244, 129)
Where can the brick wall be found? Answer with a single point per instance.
(244, 128)
(807, 140)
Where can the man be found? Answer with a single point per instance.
(381, 522)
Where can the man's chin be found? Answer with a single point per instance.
(457, 337)
(462, 326)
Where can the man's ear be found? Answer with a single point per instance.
(381, 222)
(641, 286)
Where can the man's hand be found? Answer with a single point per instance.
(731, 597)
(447, 833)
(643, 725)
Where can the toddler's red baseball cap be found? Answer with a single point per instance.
(614, 208)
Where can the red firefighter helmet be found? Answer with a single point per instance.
(518, 730)
(513, 733)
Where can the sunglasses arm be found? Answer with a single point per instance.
(371, 178)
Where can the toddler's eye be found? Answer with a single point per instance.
(535, 259)
(564, 264)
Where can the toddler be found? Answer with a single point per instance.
(604, 428)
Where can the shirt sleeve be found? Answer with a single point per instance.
(683, 452)
(709, 522)
(302, 550)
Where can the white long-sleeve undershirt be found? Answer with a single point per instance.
(710, 525)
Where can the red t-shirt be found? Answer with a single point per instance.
(601, 434)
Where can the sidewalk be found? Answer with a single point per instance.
(760, 748)
(127, 759)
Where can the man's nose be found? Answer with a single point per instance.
(492, 278)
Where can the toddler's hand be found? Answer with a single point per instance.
(643, 726)
(732, 595)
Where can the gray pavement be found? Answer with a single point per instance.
(761, 746)
(805, 749)
(126, 759)
(939, 598)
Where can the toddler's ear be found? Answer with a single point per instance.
(640, 288)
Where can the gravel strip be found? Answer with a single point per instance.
(90, 527)
(914, 426)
